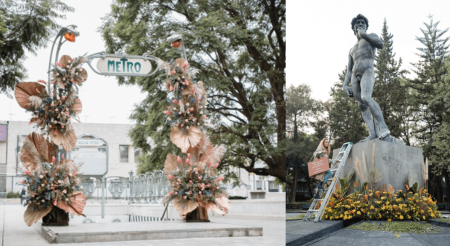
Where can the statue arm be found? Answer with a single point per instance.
(373, 39)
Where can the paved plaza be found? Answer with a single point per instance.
(16, 233)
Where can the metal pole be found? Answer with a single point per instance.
(103, 196)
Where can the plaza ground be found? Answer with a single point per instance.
(14, 232)
(314, 234)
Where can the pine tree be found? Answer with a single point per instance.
(239, 48)
(429, 73)
(388, 90)
(345, 117)
(24, 26)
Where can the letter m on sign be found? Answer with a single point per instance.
(111, 63)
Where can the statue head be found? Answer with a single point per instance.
(357, 21)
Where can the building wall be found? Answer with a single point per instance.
(113, 134)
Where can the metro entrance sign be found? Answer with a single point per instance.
(123, 65)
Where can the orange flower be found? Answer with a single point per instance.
(420, 191)
(365, 197)
(392, 188)
(407, 187)
(355, 184)
(377, 193)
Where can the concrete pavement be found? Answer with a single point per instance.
(17, 233)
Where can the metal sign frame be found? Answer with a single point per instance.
(103, 55)
(93, 137)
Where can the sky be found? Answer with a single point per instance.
(319, 35)
(104, 101)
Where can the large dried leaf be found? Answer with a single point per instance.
(375, 175)
(35, 102)
(184, 206)
(217, 153)
(65, 60)
(68, 140)
(35, 148)
(32, 217)
(43, 146)
(25, 90)
(70, 99)
(77, 106)
(170, 165)
(82, 76)
(77, 203)
(182, 140)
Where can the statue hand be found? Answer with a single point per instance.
(361, 32)
(348, 90)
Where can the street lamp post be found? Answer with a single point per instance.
(69, 34)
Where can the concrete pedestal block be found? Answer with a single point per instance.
(395, 161)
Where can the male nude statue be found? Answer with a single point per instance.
(361, 74)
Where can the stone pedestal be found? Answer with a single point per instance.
(395, 161)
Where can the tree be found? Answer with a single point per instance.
(240, 49)
(300, 107)
(345, 117)
(441, 155)
(25, 26)
(388, 90)
(429, 71)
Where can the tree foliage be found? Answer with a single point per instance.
(239, 47)
(429, 71)
(388, 90)
(25, 26)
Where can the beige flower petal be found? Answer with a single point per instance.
(32, 217)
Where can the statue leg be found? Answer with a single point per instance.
(366, 114)
(367, 83)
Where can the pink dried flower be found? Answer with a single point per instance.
(171, 176)
(182, 125)
(179, 160)
(184, 198)
(219, 179)
(175, 101)
(54, 203)
(199, 178)
(200, 192)
(58, 64)
(26, 172)
(171, 88)
(217, 164)
(187, 162)
(185, 65)
(42, 200)
(210, 163)
(64, 191)
(179, 180)
(194, 120)
(167, 112)
(204, 117)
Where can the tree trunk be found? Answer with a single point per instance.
(447, 186)
(294, 184)
(438, 186)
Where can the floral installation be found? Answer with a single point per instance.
(51, 180)
(382, 205)
(194, 179)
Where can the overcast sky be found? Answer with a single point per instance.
(319, 38)
(101, 96)
(319, 35)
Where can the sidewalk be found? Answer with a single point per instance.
(17, 233)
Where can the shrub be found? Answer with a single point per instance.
(382, 206)
(12, 194)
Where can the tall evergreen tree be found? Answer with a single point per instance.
(345, 117)
(239, 47)
(25, 26)
(429, 73)
(388, 90)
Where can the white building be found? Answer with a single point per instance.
(121, 158)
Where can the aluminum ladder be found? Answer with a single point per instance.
(336, 168)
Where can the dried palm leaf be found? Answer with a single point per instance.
(65, 60)
(364, 166)
(358, 168)
(217, 153)
(184, 206)
(375, 175)
(67, 140)
(182, 140)
(188, 89)
(170, 165)
(25, 90)
(423, 206)
(43, 146)
(60, 83)
(35, 102)
(77, 106)
(77, 203)
(81, 77)
(70, 99)
(33, 215)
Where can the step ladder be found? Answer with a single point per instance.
(336, 168)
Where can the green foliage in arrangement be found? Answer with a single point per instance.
(400, 205)
(25, 29)
(239, 48)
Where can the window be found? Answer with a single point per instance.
(258, 185)
(273, 187)
(123, 153)
(137, 152)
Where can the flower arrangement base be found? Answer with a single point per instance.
(200, 214)
(56, 217)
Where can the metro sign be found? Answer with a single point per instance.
(123, 65)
